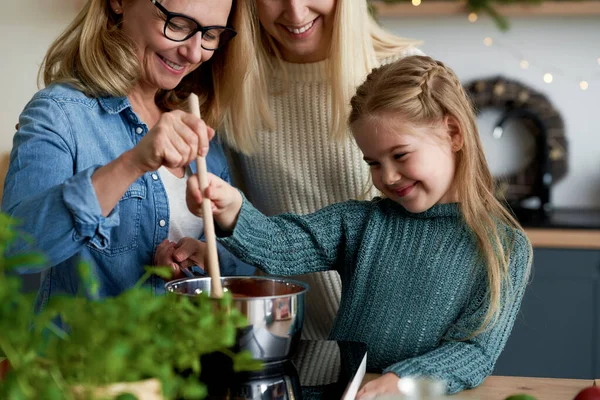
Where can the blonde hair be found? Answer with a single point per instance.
(352, 56)
(96, 57)
(424, 91)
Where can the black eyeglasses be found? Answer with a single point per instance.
(179, 28)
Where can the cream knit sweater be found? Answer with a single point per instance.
(299, 168)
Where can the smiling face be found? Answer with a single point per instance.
(164, 62)
(302, 29)
(411, 164)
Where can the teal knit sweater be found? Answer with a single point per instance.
(413, 285)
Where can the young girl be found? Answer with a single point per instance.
(434, 273)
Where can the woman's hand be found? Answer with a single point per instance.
(387, 383)
(226, 201)
(175, 141)
(184, 254)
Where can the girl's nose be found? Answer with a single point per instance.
(296, 11)
(390, 176)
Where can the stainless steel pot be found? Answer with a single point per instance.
(273, 306)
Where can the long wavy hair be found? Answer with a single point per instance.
(357, 45)
(95, 56)
(425, 91)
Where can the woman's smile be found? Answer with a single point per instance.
(300, 32)
(172, 67)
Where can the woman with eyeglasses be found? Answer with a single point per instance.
(300, 157)
(100, 159)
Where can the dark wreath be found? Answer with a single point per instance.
(543, 122)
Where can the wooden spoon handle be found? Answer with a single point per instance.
(216, 289)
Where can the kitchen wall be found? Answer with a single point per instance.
(570, 46)
(27, 28)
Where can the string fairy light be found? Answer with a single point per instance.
(472, 17)
(416, 3)
(549, 74)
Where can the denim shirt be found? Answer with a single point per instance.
(63, 138)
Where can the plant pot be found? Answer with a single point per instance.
(149, 389)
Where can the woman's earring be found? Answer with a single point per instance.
(118, 11)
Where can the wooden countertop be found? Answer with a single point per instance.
(564, 228)
(586, 239)
(500, 387)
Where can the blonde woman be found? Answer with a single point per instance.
(434, 273)
(100, 159)
(300, 157)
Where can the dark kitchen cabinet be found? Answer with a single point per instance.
(557, 332)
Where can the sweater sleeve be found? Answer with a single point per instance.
(290, 244)
(464, 364)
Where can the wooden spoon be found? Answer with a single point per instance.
(209, 226)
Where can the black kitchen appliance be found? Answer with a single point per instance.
(318, 370)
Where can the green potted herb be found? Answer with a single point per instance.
(133, 343)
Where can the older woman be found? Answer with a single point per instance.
(101, 155)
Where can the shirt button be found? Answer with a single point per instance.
(162, 222)
(155, 177)
(139, 130)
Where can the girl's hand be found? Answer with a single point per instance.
(189, 252)
(175, 141)
(184, 254)
(164, 257)
(387, 383)
(226, 201)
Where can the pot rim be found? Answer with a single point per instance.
(305, 287)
